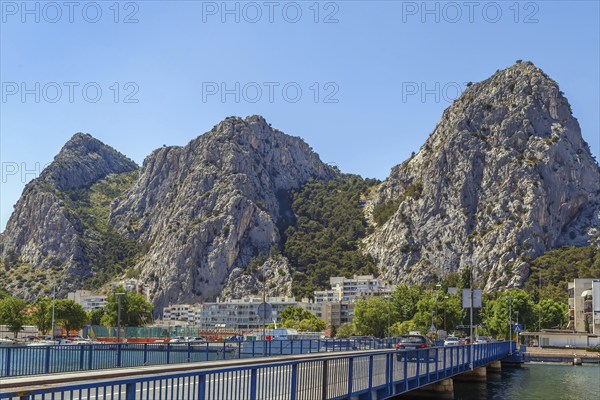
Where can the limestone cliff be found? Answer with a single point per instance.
(208, 208)
(504, 176)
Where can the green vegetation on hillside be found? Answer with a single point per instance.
(553, 270)
(110, 253)
(325, 240)
(383, 212)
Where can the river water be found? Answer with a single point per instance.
(535, 381)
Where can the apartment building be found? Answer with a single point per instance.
(584, 305)
(88, 300)
(349, 289)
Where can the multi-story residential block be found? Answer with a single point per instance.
(88, 300)
(179, 312)
(584, 305)
(349, 289)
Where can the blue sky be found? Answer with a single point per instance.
(149, 73)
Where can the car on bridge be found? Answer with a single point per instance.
(414, 343)
(451, 341)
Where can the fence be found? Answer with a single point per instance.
(32, 360)
(371, 374)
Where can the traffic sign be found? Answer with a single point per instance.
(518, 328)
(265, 310)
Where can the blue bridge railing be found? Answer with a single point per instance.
(363, 375)
(32, 360)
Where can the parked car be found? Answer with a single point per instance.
(178, 339)
(414, 342)
(464, 341)
(451, 341)
(482, 339)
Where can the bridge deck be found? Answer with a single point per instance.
(300, 377)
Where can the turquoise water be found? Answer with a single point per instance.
(536, 381)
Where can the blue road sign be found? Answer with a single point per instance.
(518, 328)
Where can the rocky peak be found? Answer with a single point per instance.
(213, 205)
(82, 161)
(45, 236)
(504, 176)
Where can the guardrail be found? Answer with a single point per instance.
(373, 374)
(32, 360)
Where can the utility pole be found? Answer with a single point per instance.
(539, 302)
(510, 323)
(53, 299)
(471, 315)
(118, 294)
(437, 288)
(445, 305)
(388, 325)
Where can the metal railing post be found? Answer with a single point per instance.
(350, 375)
(202, 387)
(324, 380)
(80, 357)
(118, 355)
(370, 376)
(47, 360)
(7, 370)
(145, 353)
(253, 384)
(90, 356)
(294, 385)
(130, 391)
(168, 353)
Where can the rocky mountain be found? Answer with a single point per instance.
(45, 231)
(246, 209)
(504, 176)
(207, 209)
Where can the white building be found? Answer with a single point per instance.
(349, 289)
(88, 300)
(179, 312)
(584, 306)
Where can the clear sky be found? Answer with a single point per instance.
(363, 82)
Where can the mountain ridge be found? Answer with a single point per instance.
(504, 177)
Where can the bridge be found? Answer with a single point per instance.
(355, 375)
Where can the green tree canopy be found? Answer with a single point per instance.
(70, 314)
(96, 316)
(346, 330)
(41, 314)
(135, 309)
(301, 319)
(371, 316)
(496, 312)
(405, 299)
(325, 240)
(12, 313)
(554, 269)
(551, 314)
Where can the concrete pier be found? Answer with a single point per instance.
(443, 389)
(494, 366)
(477, 375)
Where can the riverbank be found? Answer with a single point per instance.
(566, 355)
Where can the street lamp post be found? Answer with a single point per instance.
(388, 325)
(118, 294)
(53, 300)
(509, 323)
(445, 301)
(264, 302)
(517, 322)
(437, 288)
